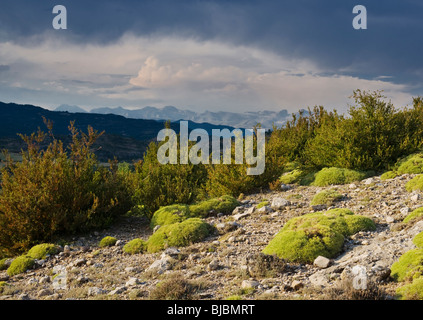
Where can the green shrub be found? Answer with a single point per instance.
(179, 234)
(304, 238)
(411, 164)
(40, 251)
(224, 204)
(411, 291)
(180, 212)
(20, 265)
(418, 240)
(415, 184)
(327, 197)
(291, 177)
(409, 266)
(415, 214)
(160, 185)
(388, 175)
(135, 246)
(66, 191)
(3, 265)
(337, 176)
(107, 242)
(170, 214)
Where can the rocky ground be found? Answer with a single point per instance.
(223, 265)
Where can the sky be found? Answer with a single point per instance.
(209, 55)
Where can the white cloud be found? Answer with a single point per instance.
(182, 72)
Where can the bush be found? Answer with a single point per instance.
(224, 204)
(415, 184)
(162, 185)
(416, 214)
(20, 265)
(409, 266)
(42, 250)
(411, 164)
(411, 291)
(327, 197)
(170, 214)
(107, 242)
(337, 176)
(66, 191)
(180, 212)
(179, 234)
(174, 288)
(3, 264)
(388, 175)
(135, 246)
(418, 240)
(304, 238)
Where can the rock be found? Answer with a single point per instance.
(171, 252)
(45, 279)
(238, 209)
(404, 211)
(390, 219)
(66, 249)
(118, 290)
(94, 291)
(369, 181)
(239, 216)
(4, 276)
(297, 285)
(265, 209)
(415, 197)
(250, 210)
(285, 187)
(44, 292)
(319, 207)
(23, 296)
(132, 282)
(352, 186)
(79, 262)
(249, 284)
(160, 266)
(279, 203)
(321, 262)
(213, 265)
(119, 243)
(156, 228)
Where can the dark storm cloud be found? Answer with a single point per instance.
(317, 30)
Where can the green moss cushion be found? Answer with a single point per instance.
(179, 234)
(304, 238)
(409, 266)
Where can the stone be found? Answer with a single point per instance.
(213, 265)
(249, 284)
(44, 292)
(4, 276)
(265, 209)
(297, 285)
(390, 219)
(171, 252)
(118, 290)
(405, 210)
(415, 197)
(369, 181)
(319, 207)
(132, 282)
(321, 262)
(279, 203)
(285, 187)
(156, 228)
(161, 265)
(352, 186)
(45, 279)
(79, 262)
(94, 291)
(239, 216)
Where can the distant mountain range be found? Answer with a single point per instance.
(124, 138)
(245, 120)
